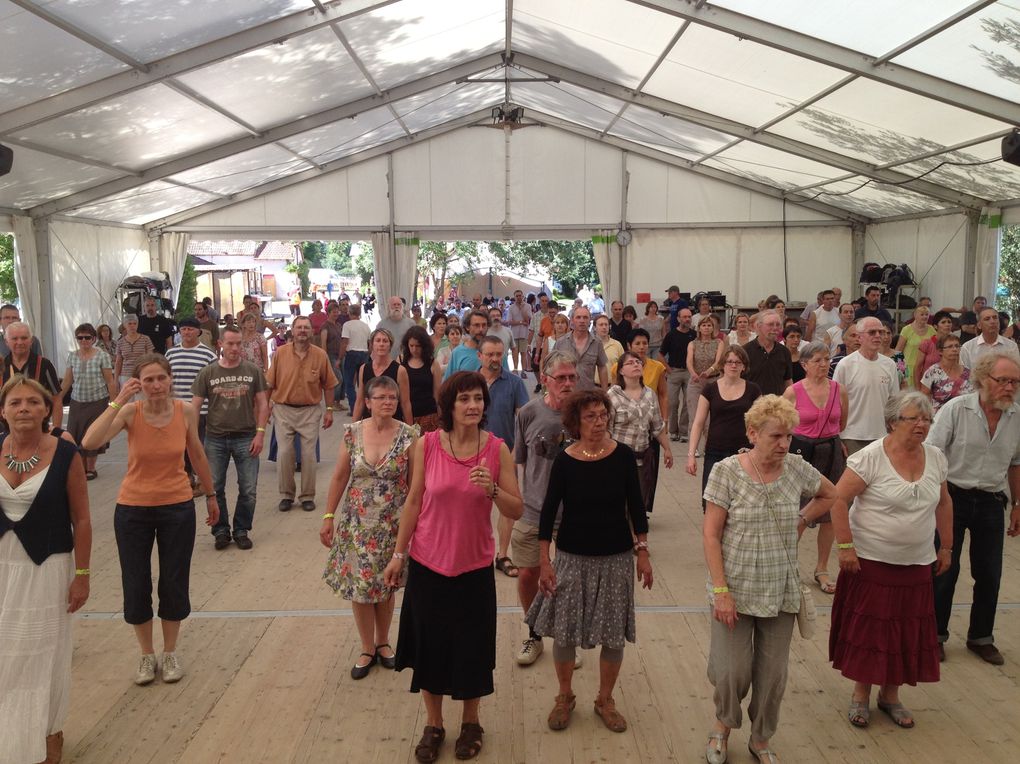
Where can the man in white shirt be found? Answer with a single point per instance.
(870, 379)
(519, 318)
(980, 435)
(353, 351)
(988, 341)
(824, 318)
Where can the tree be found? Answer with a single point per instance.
(1007, 296)
(571, 263)
(338, 258)
(8, 288)
(436, 257)
(363, 262)
(301, 271)
(187, 295)
(314, 253)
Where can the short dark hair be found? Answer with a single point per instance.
(232, 328)
(86, 329)
(480, 313)
(460, 382)
(827, 291)
(792, 329)
(417, 333)
(941, 342)
(434, 318)
(739, 352)
(639, 332)
(871, 289)
(631, 311)
(578, 402)
(619, 367)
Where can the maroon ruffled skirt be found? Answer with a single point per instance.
(883, 625)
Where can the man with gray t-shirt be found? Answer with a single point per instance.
(395, 323)
(539, 437)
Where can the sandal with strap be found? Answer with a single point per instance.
(559, 717)
(858, 713)
(828, 587)
(506, 566)
(765, 755)
(715, 752)
(469, 744)
(899, 713)
(612, 718)
(427, 749)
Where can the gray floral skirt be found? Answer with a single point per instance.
(593, 604)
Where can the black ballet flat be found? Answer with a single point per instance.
(360, 672)
(387, 663)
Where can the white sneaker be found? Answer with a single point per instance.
(578, 660)
(146, 670)
(172, 669)
(529, 652)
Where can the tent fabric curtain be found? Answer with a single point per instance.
(173, 253)
(384, 277)
(26, 271)
(395, 264)
(607, 263)
(986, 276)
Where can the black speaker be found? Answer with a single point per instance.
(1010, 148)
(6, 159)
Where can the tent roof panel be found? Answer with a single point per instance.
(38, 60)
(139, 129)
(434, 107)
(368, 129)
(412, 38)
(277, 83)
(567, 101)
(875, 200)
(668, 133)
(241, 171)
(738, 79)
(157, 28)
(994, 180)
(140, 205)
(771, 166)
(37, 177)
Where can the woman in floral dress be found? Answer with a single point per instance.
(373, 472)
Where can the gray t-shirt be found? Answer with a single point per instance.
(398, 329)
(539, 437)
(231, 396)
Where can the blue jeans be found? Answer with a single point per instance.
(352, 361)
(983, 514)
(219, 451)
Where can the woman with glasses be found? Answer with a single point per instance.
(948, 378)
(372, 476)
(586, 597)
(822, 406)
(723, 404)
(89, 377)
(890, 501)
(928, 353)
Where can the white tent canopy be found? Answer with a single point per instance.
(752, 147)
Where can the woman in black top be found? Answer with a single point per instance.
(424, 377)
(380, 364)
(587, 597)
(723, 403)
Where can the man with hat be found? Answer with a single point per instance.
(675, 305)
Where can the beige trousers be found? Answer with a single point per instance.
(755, 655)
(305, 421)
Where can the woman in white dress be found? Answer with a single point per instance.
(44, 520)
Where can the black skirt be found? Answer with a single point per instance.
(447, 632)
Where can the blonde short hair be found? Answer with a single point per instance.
(771, 408)
(983, 368)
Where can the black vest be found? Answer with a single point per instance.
(46, 527)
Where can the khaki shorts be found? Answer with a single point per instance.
(524, 547)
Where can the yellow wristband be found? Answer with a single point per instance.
(329, 408)
(260, 429)
(845, 546)
(82, 572)
(328, 516)
(720, 590)
(115, 405)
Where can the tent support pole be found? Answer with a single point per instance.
(858, 233)
(44, 269)
(970, 260)
(622, 251)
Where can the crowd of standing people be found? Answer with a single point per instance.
(892, 448)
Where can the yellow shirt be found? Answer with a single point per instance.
(651, 375)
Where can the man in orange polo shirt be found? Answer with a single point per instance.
(299, 379)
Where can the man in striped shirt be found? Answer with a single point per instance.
(186, 360)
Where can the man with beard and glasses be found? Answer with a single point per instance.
(396, 323)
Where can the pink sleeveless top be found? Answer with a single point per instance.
(813, 422)
(454, 530)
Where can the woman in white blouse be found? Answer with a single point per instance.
(890, 500)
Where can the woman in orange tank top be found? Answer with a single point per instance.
(155, 504)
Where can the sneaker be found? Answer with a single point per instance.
(242, 541)
(222, 540)
(529, 652)
(578, 660)
(172, 670)
(146, 670)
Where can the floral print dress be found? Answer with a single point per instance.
(367, 518)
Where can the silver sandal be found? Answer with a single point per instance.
(715, 752)
(761, 753)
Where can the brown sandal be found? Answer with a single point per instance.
(612, 718)
(559, 717)
(427, 749)
(469, 744)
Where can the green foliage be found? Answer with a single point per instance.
(1009, 271)
(363, 263)
(188, 292)
(435, 258)
(314, 253)
(571, 263)
(302, 274)
(338, 258)
(8, 289)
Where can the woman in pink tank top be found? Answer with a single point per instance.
(155, 504)
(447, 632)
(822, 406)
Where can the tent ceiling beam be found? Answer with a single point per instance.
(27, 144)
(12, 211)
(837, 56)
(276, 31)
(337, 164)
(765, 138)
(281, 132)
(683, 164)
(927, 34)
(181, 89)
(80, 34)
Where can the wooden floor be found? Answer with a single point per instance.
(268, 651)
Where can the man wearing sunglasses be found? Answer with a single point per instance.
(980, 435)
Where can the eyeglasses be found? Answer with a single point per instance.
(592, 418)
(916, 419)
(733, 362)
(384, 398)
(872, 331)
(84, 337)
(1006, 381)
(561, 378)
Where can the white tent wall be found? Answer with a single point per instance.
(933, 247)
(88, 263)
(745, 264)
(1011, 215)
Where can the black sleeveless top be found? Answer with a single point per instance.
(423, 401)
(46, 527)
(368, 374)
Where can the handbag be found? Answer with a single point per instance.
(807, 616)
